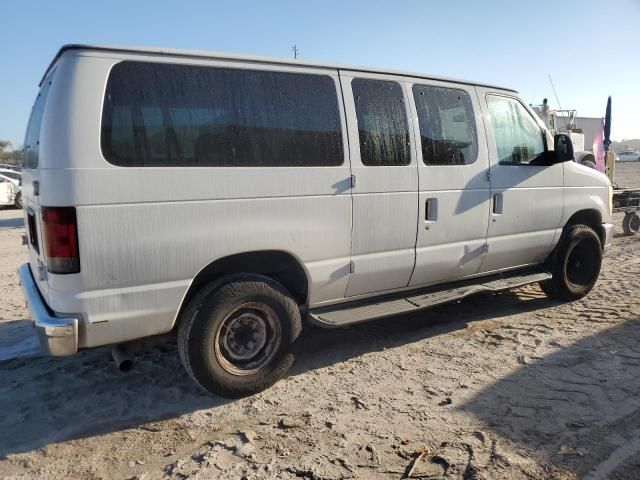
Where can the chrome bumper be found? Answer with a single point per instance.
(608, 234)
(58, 336)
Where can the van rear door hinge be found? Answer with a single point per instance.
(489, 174)
(352, 267)
(485, 248)
(353, 181)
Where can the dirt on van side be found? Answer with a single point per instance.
(506, 386)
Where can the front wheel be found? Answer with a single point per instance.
(235, 337)
(575, 264)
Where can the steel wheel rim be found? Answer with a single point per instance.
(634, 223)
(248, 338)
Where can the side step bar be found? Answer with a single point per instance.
(357, 312)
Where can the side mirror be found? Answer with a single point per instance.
(563, 147)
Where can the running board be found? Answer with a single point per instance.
(362, 311)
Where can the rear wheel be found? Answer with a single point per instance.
(235, 337)
(589, 163)
(631, 223)
(18, 202)
(575, 264)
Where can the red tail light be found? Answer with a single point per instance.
(61, 239)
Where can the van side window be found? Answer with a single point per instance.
(519, 139)
(382, 122)
(447, 125)
(159, 114)
(31, 147)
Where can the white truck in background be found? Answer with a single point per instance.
(583, 131)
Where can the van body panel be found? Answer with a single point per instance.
(585, 188)
(48, 114)
(357, 230)
(145, 232)
(175, 54)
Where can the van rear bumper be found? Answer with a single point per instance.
(58, 336)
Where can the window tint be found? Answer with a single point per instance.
(183, 115)
(447, 125)
(32, 137)
(382, 122)
(518, 138)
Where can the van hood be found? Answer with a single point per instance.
(576, 175)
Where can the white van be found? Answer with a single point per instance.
(231, 198)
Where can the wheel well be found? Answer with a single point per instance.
(281, 266)
(590, 217)
(585, 157)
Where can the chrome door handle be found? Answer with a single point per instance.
(498, 203)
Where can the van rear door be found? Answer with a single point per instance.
(31, 186)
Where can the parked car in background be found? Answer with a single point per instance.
(14, 176)
(10, 188)
(9, 166)
(308, 191)
(628, 156)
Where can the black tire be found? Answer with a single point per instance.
(589, 163)
(18, 202)
(229, 320)
(631, 223)
(574, 264)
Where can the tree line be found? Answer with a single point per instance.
(8, 154)
(627, 144)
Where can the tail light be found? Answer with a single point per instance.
(61, 239)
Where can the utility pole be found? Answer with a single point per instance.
(295, 51)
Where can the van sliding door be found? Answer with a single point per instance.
(385, 183)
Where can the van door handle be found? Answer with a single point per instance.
(498, 201)
(431, 210)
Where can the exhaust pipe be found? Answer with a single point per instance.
(122, 358)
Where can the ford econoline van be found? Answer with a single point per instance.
(231, 199)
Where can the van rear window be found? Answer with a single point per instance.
(160, 114)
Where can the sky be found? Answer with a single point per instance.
(590, 48)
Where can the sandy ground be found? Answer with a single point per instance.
(508, 386)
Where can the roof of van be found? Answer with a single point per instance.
(250, 58)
